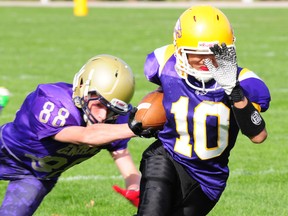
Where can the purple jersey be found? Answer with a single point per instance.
(44, 113)
(200, 130)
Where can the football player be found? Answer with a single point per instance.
(60, 125)
(208, 98)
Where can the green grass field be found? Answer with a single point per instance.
(40, 45)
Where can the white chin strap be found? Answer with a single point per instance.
(199, 75)
(201, 89)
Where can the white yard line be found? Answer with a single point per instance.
(89, 178)
(233, 173)
(271, 171)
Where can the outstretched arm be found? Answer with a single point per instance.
(94, 135)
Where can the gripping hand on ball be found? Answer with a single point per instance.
(226, 72)
(136, 126)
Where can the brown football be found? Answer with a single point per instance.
(151, 111)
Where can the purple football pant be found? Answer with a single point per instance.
(24, 192)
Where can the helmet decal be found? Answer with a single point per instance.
(177, 30)
(207, 44)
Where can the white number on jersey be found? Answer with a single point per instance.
(201, 112)
(59, 120)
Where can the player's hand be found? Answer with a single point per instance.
(136, 126)
(226, 72)
(131, 195)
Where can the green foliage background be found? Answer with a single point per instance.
(40, 45)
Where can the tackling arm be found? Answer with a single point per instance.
(94, 135)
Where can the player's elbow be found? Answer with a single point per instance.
(260, 138)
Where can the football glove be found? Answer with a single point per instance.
(136, 126)
(226, 72)
(131, 195)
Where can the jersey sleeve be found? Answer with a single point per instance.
(156, 61)
(255, 89)
(119, 144)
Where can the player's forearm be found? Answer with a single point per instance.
(249, 120)
(94, 135)
(99, 134)
(132, 179)
(127, 169)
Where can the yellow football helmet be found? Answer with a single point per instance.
(196, 30)
(107, 77)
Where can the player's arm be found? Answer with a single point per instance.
(247, 116)
(124, 163)
(126, 166)
(249, 120)
(94, 135)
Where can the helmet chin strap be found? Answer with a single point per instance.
(202, 79)
(202, 88)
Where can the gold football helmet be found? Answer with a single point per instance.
(196, 30)
(110, 79)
